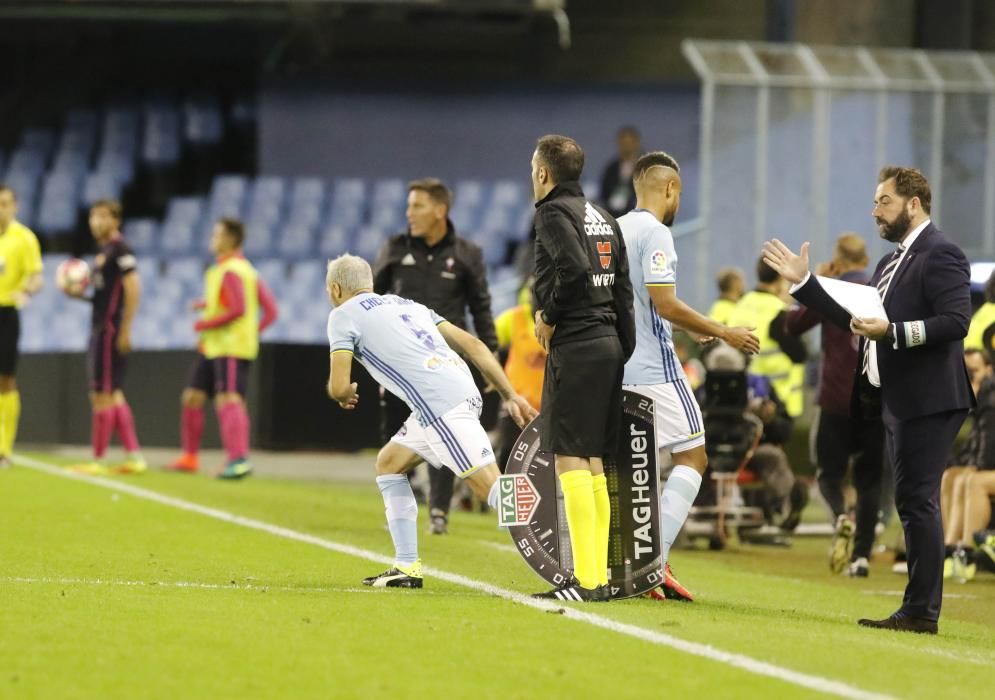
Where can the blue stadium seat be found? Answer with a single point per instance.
(26, 160)
(306, 280)
(25, 186)
(117, 164)
(469, 193)
(296, 242)
(141, 234)
(258, 240)
(187, 210)
(304, 215)
(99, 185)
(80, 142)
(508, 193)
(177, 237)
(187, 271)
(227, 188)
(348, 215)
(124, 142)
(391, 192)
(349, 189)
(40, 140)
(70, 163)
(388, 217)
(58, 206)
(498, 220)
(274, 272)
(148, 266)
(269, 188)
(368, 242)
(465, 220)
(202, 120)
(335, 240)
(161, 137)
(307, 190)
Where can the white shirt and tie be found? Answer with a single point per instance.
(870, 359)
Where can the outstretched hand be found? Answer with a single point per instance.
(743, 339)
(784, 262)
(520, 410)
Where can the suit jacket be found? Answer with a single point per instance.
(929, 305)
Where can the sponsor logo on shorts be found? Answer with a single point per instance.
(517, 499)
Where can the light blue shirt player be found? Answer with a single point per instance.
(411, 351)
(397, 341)
(652, 262)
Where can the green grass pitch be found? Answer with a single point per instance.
(109, 595)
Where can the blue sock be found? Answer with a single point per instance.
(402, 516)
(675, 503)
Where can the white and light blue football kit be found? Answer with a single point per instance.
(654, 369)
(398, 343)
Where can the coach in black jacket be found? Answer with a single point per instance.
(911, 366)
(430, 264)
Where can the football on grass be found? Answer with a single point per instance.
(73, 277)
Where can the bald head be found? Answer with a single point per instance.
(657, 180)
(850, 252)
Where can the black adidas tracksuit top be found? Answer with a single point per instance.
(448, 278)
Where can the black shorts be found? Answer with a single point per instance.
(105, 364)
(222, 375)
(582, 398)
(10, 333)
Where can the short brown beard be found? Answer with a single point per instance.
(894, 231)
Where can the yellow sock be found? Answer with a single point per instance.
(10, 412)
(602, 525)
(578, 500)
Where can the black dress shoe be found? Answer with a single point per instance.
(901, 623)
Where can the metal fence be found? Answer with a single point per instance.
(793, 136)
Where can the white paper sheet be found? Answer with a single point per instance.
(860, 300)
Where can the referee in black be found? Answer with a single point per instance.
(432, 265)
(585, 321)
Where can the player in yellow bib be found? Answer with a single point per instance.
(229, 330)
(20, 277)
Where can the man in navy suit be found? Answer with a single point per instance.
(911, 369)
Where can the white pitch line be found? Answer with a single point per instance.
(739, 661)
(498, 546)
(56, 581)
(177, 584)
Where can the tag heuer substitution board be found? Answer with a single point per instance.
(531, 505)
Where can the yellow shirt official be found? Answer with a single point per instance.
(20, 258)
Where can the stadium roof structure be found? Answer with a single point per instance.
(842, 68)
(934, 108)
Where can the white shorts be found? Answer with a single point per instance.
(679, 426)
(455, 440)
